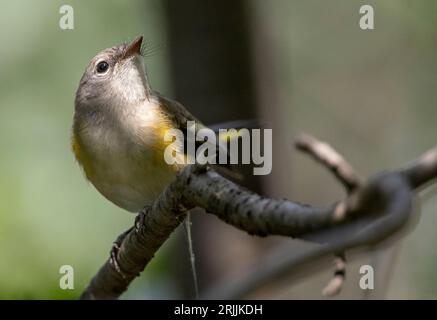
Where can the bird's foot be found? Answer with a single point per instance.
(140, 218)
(138, 225)
(116, 245)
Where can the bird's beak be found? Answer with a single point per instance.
(133, 48)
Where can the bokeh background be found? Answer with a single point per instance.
(299, 66)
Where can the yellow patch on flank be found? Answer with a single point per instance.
(161, 129)
(80, 156)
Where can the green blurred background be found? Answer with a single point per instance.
(370, 93)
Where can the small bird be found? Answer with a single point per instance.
(119, 127)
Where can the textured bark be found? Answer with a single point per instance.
(371, 213)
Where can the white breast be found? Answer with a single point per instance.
(124, 157)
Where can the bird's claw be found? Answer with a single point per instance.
(116, 245)
(113, 260)
(139, 220)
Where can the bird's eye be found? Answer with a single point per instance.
(102, 67)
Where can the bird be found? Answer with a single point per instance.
(119, 128)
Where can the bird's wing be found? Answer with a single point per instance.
(178, 115)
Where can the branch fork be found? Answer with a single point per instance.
(372, 211)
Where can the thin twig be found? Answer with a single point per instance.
(346, 174)
(331, 159)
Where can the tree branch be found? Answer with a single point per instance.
(344, 172)
(394, 201)
(331, 159)
(371, 213)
